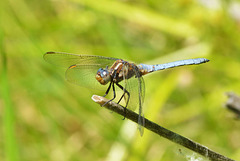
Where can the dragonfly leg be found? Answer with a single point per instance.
(114, 95)
(124, 92)
(109, 87)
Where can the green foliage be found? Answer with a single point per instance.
(45, 118)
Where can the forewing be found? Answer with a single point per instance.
(66, 59)
(84, 75)
(82, 69)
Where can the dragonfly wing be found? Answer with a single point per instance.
(82, 69)
(131, 86)
(141, 94)
(66, 59)
(84, 75)
(136, 87)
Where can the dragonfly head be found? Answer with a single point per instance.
(103, 76)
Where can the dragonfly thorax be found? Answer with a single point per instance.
(103, 76)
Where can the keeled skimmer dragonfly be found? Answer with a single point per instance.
(95, 71)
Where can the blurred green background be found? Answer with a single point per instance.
(43, 117)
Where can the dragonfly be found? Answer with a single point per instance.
(95, 72)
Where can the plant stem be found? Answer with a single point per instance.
(161, 131)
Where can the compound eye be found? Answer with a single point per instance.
(104, 73)
(103, 76)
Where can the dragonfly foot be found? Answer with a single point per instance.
(106, 103)
(105, 95)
